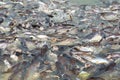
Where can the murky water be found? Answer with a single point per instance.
(80, 2)
(90, 2)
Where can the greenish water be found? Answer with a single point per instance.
(90, 2)
(80, 2)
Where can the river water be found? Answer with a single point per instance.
(79, 2)
(90, 2)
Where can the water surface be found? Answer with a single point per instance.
(81, 2)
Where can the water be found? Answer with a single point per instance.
(81, 2)
(90, 2)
